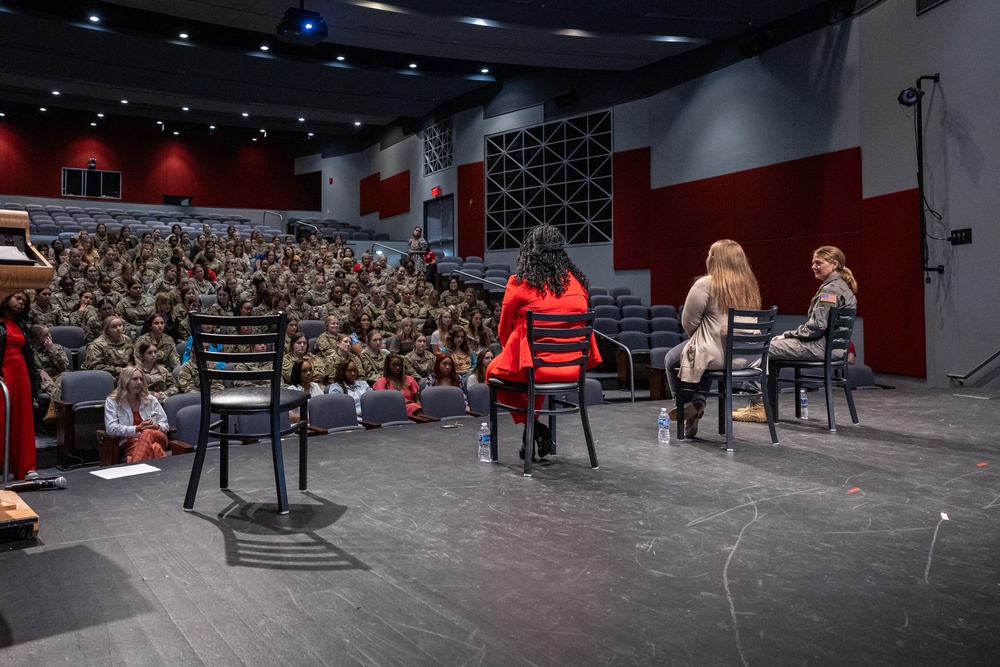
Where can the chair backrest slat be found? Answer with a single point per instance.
(566, 335)
(270, 331)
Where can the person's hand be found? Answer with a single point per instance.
(45, 376)
(778, 337)
(47, 343)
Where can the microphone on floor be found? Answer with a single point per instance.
(37, 484)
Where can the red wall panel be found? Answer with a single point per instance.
(219, 170)
(697, 213)
(893, 284)
(471, 209)
(394, 195)
(813, 195)
(368, 191)
(633, 228)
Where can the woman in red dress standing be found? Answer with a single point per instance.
(546, 281)
(18, 370)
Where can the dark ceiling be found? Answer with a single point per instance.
(359, 80)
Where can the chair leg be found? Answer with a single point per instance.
(679, 403)
(279, 464)
(199, 460)
(493, 424)
(798, 390)
(772, 389)
(224, 453)
(850, 400)
(529, 447)
(588, 436)
(552, 429)
(727, 413)
(768, 407)
(304, 447)
(828, 386)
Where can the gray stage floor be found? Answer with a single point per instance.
(829, 549)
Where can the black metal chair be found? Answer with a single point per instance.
(833, 367)
(567, 335)
(749, 340)
(268, 397)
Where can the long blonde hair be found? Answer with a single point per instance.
(120, 394)
(835, 256)
(733, 283)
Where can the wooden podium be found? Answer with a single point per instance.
(17, 520)
(21, 265)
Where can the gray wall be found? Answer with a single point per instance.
(827, 91)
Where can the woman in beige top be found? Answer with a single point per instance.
(729, 283)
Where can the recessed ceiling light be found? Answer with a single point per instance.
(94, 18)
(255, 138)
(485, 70)
(2, 114)
(100, 115)
(93, 124)
(263, 131)
(265, 47)
(211, 127)
(176, 133)
(124, 101)
(185, 108)
(357, 123)
(42, 109)
(413, 65)
(159, 122)
(55, 92)
(245, 114)
(302, 120)
(310, 134)
(341, 58)
(183, 35)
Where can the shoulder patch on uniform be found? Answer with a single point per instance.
(828, 298)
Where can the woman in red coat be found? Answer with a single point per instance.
(546, 281)
(17, 366)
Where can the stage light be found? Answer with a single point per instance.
(94, 18)
(302, 120)
(124, 101)
(56, 93)
(100, 115)
(211, 127)
(93, 124)
(42, 109)
(485, 70)
(183, 35)
(245, 114)
(159, 122)
(909, 96)
(265, 47)
(357, 123)
(310, 134)
(341, 58)
(185, 108)
(413, 65)
(177, 134)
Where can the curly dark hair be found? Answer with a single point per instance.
(544, 264)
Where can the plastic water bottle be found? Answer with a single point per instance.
(484, 444)
(663, 423)
(803, 404)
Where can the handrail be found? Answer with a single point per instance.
(962, 378)
(389, 247)
(299, 223)
(263, 218)
(477, 278)
(628, 352)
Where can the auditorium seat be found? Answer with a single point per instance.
(618, 291)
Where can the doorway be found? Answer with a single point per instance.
(439, 225)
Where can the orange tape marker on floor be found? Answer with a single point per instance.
(857, 488)
(980, 465)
